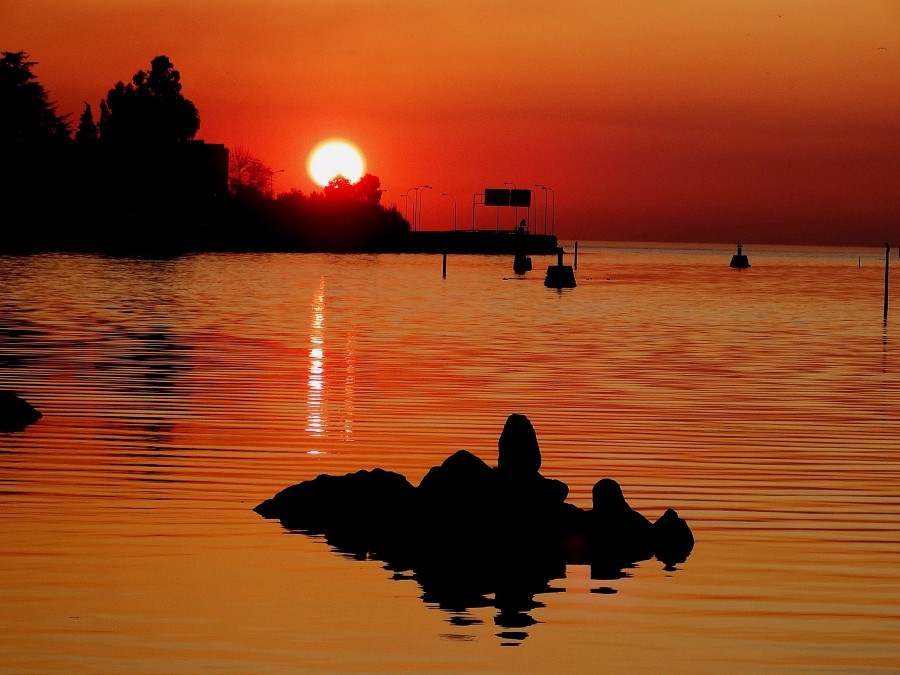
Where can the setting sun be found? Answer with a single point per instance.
(335, 158)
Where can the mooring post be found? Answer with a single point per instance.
(887, 264)
(445, 265)
(575, 263)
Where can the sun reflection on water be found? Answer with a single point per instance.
(315, 419)
(319, 394)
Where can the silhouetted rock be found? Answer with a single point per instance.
(673, 539)
(362, 512)
(470, 531)
(519, 453)
(527, 501)
(15, 412)
(616, 530)
(460, 473)
(454, 504)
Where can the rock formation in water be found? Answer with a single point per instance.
(464, 508)
(15, 412)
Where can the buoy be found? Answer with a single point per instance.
(559, 275)
(739, 260)
(521, 263)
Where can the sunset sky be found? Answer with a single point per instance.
(765, 121)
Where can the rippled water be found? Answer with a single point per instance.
(177, 394)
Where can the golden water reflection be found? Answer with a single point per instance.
(315, 422)
(763, 405)
(318, 399)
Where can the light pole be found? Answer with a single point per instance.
(413, 221)
(515, 209)
(447, 194)
(272, 180)
(405, 204)
(419, 207)
(553, 211)
(544, 188)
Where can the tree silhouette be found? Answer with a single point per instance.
(366, 190)
(149, 109)
(27, 118)
(338, 188)
(87, 132)
(246, 171)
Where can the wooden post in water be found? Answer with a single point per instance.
(887, 264)
(445, 265)
(576, 256)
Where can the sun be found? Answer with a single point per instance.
(335, 157)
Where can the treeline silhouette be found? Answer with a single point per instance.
(135, 181)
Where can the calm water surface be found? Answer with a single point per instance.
(177, 394)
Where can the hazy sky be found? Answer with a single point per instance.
(696, 120)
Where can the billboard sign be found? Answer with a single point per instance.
(496, 197)
(520, 198)
(504, 197)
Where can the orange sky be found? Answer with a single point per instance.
(701, 120)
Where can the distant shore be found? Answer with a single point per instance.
(457, 242)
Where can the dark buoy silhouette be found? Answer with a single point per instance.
(559, 275)
(521, 263)
(739, 260)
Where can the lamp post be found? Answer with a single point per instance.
(405, 204)
(544, 188)
(447, 194)
(553, 211)
(552, 207)
(516, 208)
(413, 221)
(419, 206)
(272, 180)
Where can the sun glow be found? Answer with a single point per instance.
(335, 157)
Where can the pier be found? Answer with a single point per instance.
(487, 242)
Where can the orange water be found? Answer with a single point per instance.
(762, 404)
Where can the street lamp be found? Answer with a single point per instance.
(272, 180)
(447, 194)
(419, 209)
(413, 221)
(545, 204)
(553, 194)
(516, 208)
(553, 211)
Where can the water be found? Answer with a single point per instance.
(762, 404)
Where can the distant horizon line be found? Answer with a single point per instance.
(657, 243)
